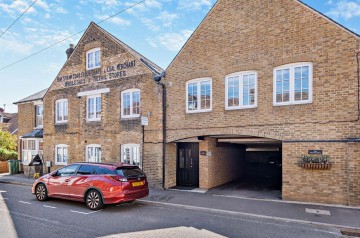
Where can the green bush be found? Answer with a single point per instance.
(318, 159)
(7, 154)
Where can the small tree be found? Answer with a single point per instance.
(7, 141)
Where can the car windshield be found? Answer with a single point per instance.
(130, 172)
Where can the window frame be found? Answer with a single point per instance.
(37, 125)
(93, 146)
(291, 68)
(25, 152)
(131, 146)
(56, 154)
(87, 107)
(94, 50)
(241, 90)
(131, 91)
(198, 81)
(62, 101)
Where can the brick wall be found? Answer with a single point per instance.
(222, 166)
(112, 131)
(4, 167)
(171, 160)
(259, 36)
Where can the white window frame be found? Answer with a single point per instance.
(62, 101)
(131, 147)
(198, 81)
(37, 125)
(25, 152)
(87, 107)
(241, 90)
(131, 91)
(292, 67)
(94, 60)
(56, 154)
(94, 146)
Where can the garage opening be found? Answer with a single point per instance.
(258, 162)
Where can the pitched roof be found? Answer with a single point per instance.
(37, 133)
(148, 63)
(13, 123)
(6, 114)
(36, 96)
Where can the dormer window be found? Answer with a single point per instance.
(93, 59)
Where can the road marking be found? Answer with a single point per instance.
(248, 214)
(48, 206)
(2, 191)
(85, 213)
(25, 202)
(319, 212)
(290, 202)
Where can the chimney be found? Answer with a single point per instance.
(70, 50)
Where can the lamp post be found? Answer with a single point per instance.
(157, 78)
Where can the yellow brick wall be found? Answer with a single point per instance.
(259, 36)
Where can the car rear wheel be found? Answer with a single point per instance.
(94, 200)
(41, 192)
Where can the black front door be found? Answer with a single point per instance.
(188, 164)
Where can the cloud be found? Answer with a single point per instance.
(150, 24)
(194, 4)
(167, 18)
(14, 44)
(17, 6)
(171, 41)
(345, 9)
(115, 20)
(43, 37)
(146, 6)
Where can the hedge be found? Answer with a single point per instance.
(7, 154)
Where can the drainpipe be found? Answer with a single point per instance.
(157, 78)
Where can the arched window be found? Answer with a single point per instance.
(293, 84)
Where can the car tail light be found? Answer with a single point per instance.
(119, 178)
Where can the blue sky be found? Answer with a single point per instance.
(157, 29)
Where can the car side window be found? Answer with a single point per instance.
(102, 170)
(68, 170)
(86, 170)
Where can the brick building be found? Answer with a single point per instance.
(259, 84)
(8, 121)
(93, 107)
(30, 128)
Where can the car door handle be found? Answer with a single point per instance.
(67, 180)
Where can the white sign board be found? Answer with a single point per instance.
(144, 121)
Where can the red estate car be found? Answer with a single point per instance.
(95, 184)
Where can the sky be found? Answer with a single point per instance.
(156, 28)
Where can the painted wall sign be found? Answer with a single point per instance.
(203, 153)
(315, 152)
(97, 75)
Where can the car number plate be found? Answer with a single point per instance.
(135, 184)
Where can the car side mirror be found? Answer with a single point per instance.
(54, 174)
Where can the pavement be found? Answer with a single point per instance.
(342, 217)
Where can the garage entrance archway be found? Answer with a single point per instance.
(233, 164)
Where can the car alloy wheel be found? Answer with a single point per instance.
(93, 200)
(40, 192)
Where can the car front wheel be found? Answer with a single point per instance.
(94, 200)
(41, 192)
